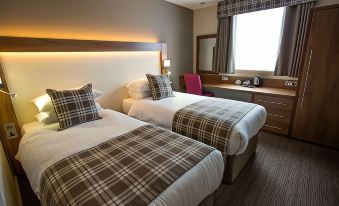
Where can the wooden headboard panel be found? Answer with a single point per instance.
(33, 64)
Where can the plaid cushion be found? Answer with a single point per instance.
(74, 107)
(160, 86)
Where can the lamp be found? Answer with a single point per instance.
(2, 91)
(167, 64)
(1, 85)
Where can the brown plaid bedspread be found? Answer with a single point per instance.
(210, 121)
(132, 169)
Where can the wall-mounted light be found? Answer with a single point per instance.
(167, 63)
(2, 91)
(1, 85)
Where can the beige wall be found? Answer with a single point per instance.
(204, 22)
(124, 20)
(9, 190)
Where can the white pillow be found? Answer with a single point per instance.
(44, 102)
(139, 85)
(46, 118)
(139, 95)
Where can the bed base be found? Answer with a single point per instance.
(235, 163)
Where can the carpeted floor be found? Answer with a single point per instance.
(285, 172)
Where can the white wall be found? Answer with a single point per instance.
(9, 191)
(29, 74)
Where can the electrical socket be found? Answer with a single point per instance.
(10, 130)
(224, 78)
(291, 83)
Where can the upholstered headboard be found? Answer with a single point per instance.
(29, 74)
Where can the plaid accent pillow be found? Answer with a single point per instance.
(74, 107)
(160, 86)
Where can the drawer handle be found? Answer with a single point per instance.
(259, 100)
(275, 115)
(266, 125)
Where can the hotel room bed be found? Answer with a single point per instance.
(42, 147)
(242, 140)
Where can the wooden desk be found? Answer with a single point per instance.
(278, 102)
(288, 93)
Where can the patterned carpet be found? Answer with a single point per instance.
(285, 172)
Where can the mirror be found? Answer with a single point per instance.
(205, 53)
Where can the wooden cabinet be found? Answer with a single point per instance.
(279, 110)
(316, 118)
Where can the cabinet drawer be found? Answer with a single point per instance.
(274, 102)
(278, 114)
(276, 126)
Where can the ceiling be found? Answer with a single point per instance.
(194, 4)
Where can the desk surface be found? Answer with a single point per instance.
(258, 90)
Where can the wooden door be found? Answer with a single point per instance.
(317, 111)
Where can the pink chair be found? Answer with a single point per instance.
(194, 86)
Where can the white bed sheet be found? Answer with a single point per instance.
(161, 113)
(42, 146)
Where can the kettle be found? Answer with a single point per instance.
(257, 81)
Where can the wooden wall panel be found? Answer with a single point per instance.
(22, 44)
(7, 115)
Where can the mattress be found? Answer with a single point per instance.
(161, 113)
(42, 146)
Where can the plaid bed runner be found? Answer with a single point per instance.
(210, 121)
(132, 169)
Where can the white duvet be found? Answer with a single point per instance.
(42, 146)
(161, 113)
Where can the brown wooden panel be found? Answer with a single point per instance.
(23, 44)
(274, 102)
(7, 115)
(316, 118)
(287, 93)
(217, 79)
(278, 114)
(276, 127)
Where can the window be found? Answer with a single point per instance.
(257, 39)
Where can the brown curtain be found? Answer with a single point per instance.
(224, 49)
(293, 39)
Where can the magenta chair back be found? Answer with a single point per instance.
(194, 86)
